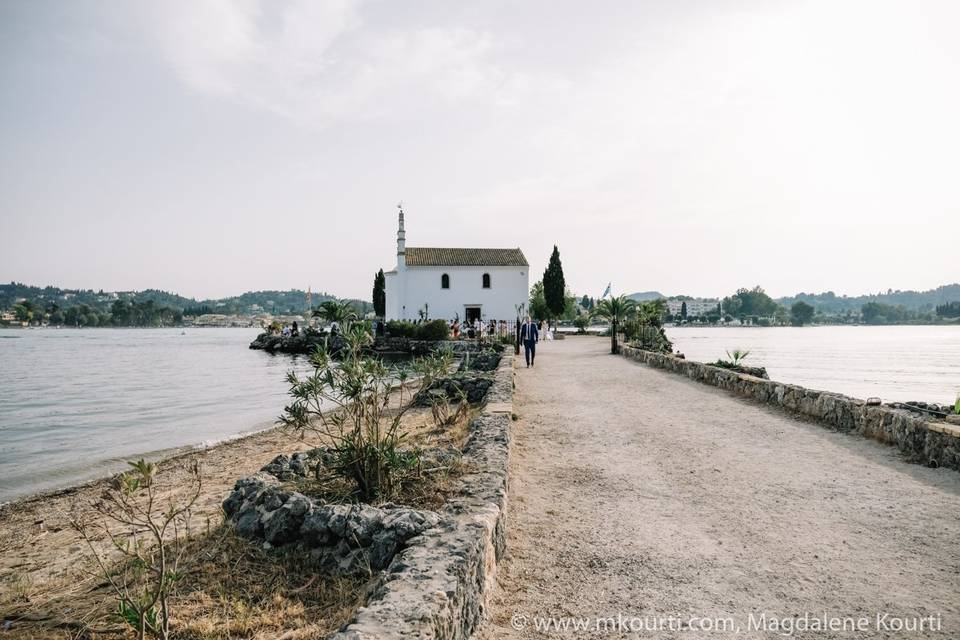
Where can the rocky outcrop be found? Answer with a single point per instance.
(920, 438)
(344, 539)
(473, 386)
(305, 343)
(756, 372)
(400, 344)
(486, 360)
(930, 410)
(297, 465)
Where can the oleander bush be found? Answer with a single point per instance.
(348, 405)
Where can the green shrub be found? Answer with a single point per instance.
(365, 429)
(433, 330)
(648, 338)
(737, 357)
(581, 323)
(401, 329)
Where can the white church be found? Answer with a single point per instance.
(448, 283)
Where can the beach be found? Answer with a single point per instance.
(41, 548)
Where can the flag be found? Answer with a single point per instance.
(606, 291)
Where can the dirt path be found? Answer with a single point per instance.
(640, 493)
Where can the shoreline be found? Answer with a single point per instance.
(176, 326)
(160, 457)
(41, 547)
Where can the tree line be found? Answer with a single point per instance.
(754, 306)
(147, 308)
(122, 313)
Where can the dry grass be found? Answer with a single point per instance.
(427, 487)
(232, 589)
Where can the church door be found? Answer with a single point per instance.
(472, 313)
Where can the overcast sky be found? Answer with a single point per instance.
(211, 148)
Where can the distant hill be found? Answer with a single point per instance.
(829, 302)
(293, 301)
(640, 296)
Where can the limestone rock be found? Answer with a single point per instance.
(346, 539)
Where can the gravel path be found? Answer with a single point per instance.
(638, 492)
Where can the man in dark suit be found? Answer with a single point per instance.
(529, 336)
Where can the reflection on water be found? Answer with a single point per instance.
(76, 403)
(893, 363)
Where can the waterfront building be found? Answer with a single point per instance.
(448, 283)
(694, 307)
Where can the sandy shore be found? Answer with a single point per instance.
(40, 546)
(50, 585)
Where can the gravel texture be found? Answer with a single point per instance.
(639, 492)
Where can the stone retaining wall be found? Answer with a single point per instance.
(436, 567)
(437, 586)
(921, 439)
(343, 539)
(400, 344)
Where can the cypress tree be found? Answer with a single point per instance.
(554, 286)
(380, 294)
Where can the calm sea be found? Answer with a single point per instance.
(75, 404)
(894, 363)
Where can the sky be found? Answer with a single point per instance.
(690, 147)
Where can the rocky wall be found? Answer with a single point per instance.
(436, 567)
(921, 439)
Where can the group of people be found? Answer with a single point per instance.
(477, 329)
(530, 333)
(290, 331)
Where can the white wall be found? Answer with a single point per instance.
(413, 286)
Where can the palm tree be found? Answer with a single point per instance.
(649, 312)
(339, 311)
(615, 310)
(649, 317)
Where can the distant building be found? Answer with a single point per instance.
(694, 307)
(221, 320)
(448, 283)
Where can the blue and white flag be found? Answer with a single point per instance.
(606, 291)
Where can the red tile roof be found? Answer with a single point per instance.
(434, 257)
